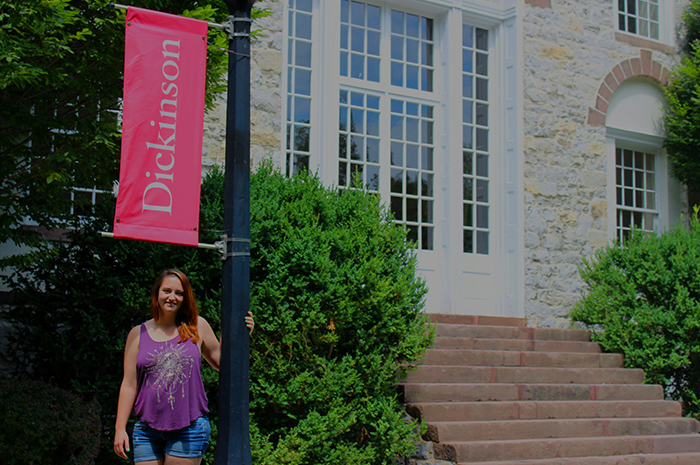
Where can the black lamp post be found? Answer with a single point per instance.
(233, 439)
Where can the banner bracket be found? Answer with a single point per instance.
(242, 245)
(117, 6)
(218, 245)
(229, 27)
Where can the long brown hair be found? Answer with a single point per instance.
(187, 316)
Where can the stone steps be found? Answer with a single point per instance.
(542, 410)
(495, 358)
(520, 345)
(436, 392)
(493, 391)
(529, 375)
(644, 459)
(512, 332)
(562, 428)
(551, 448)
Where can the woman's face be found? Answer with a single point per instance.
(170, 295)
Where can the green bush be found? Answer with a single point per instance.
(42, 424)
(333, 289)
(643, 300)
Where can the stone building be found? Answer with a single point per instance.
(512, 139)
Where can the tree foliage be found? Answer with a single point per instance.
(34, 412)
(690, 22)
(333, 289)
(682, 115)
(61, 66)
(643, 301)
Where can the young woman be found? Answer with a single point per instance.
(162, 378)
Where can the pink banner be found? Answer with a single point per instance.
(161, 157)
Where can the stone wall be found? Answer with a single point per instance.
(569, 48)
(266, 96)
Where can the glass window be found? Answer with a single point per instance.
(412, 47)
(635, 189)
(298, 118)
(412, 174)
(407, 162)
(358, 139)
(360, 39)
(475, 141)
(640, 17)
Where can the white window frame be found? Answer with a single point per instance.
(503, 20)
(666, 207)
(666, 26)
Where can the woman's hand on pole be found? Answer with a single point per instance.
(250, 322)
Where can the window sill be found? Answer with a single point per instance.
(644, 43)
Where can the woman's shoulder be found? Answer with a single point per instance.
(203, 326)
(135, 332)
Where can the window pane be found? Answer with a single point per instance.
(412, 184)
(301, 139)
(412, 210)
(482, 242)
(373, 17)
(304, 5)
(302, 109)
(397, 153)
(482, 216)
(303, 53)
(482, 114)
(411, 156)
(397, 208)
(302, 82)
(373, 42)
(412, 26)
(373, 123)
(396, 74)
(482, 165)
(397, 181)
(427, 211)
(357, 13)
(467, 111)
(358, 40)
(373, 150)
(357, 66)
(372, 178)
(482, 64)
(303, 26)
(426, 238)
(426, 29)
(397, 22)
(467, 160)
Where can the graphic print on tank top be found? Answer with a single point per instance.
(169, 368)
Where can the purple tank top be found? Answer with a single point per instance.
(170, 389)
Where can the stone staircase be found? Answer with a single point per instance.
(494, 392)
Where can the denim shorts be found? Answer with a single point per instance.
(190, 441)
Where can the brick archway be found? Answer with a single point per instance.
(643, 66)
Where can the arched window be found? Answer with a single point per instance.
(639, 186)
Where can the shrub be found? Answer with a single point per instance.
(338, 305)
(42, 424)
(643, 300)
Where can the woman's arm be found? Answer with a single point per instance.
(211, 347)
(127, 393)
